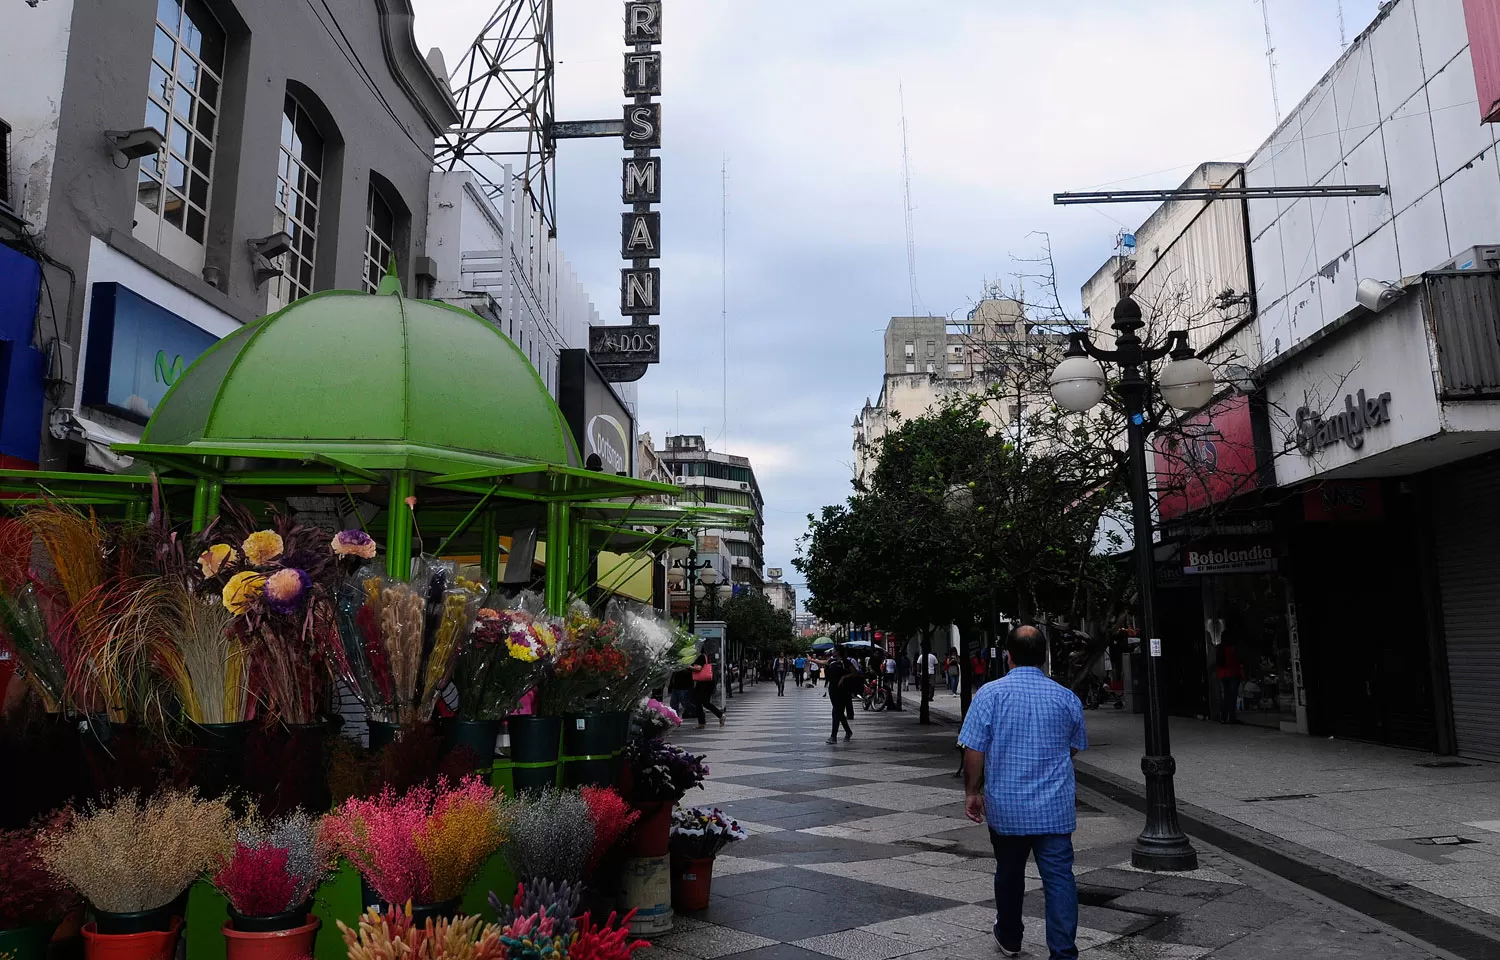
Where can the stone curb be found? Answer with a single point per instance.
(1436, 920)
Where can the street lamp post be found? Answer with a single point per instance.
(1186, 383)
(686, 560)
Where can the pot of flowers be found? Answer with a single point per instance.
(588, 665)
(268, 880)
(32, 899)
(549, 837)
(506, 653)
(660, 775)
(613, 818)
(131, 859)
(698, 834)
(421, 847)
(532, 926)
(398, 640)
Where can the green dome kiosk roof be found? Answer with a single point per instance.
(376, 382)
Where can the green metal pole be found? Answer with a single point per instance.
(559, 517)
(207, 493)
(398, 519)
(489, 547)
(579, 555)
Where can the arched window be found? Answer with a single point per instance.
(299, 183)
(380, 238)
(182, 102)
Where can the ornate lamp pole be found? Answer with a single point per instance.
(686, 560)
(1186, 383)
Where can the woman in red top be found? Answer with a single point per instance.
(1229, 672)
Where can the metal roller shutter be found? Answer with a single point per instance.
(1467, 521)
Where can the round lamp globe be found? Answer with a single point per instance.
(1078, 384)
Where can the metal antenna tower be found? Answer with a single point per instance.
(1265, 12)
(911, 233)
(1343, 33)
(504, 86)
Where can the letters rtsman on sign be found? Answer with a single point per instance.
(1315, 431)
(622, 353)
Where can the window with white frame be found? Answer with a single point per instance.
(299, 182)
(182, 103)
(380, 238)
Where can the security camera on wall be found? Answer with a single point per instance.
(1376, 295)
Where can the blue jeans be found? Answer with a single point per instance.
(1054, 861)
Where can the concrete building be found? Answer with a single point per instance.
(706, 476)
(783, 596)
(178, 168)
(928, 360)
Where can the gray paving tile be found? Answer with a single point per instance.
(858, 945)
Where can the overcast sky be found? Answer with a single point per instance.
(1007, 102)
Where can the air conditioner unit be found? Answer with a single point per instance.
(1484, 258)
(744, 486)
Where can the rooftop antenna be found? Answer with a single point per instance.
(1343, 33)
(1265, 12)
(724, 292)
(911, 235)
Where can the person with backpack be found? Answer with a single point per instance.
(703, 690)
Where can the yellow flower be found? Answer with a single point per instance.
(521, 652)
(212, 560)
(545, 634)
(262, 546)
(242, 590)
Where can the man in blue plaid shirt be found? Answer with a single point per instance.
(1019, 740)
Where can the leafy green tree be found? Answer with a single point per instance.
(752, 621)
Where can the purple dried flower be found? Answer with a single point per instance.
(354, 543)
(286, 589)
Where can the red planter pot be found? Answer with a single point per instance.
(649, 838)
(291, 944)
(150, 945)
(691, 881)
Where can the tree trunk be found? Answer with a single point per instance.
(965, 672)
(924, 679)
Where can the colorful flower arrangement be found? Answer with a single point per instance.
(274, 582)
(660, 771)
(588, 663)
(274, 867)
(543, 935)
(699, 833)
(133, 854)
(30, 894)
(654, 719)
(508, 650)
(398, 641)
(612, 817)
(422, 846)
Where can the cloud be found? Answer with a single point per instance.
(1007, 102)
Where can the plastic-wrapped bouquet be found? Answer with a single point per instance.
(699, 833)
(274, 866)
(274, 582)
(424, 845)
(508, 650)
(663, 771)
(398, 640)
(651, 646)
(588, 663)
(654, 719)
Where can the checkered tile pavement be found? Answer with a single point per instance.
(860, 851)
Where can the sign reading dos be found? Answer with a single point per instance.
(632, 344)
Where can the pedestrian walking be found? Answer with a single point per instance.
(1019, 740)
(680, 691)
(1230, 671)
(930, 665)
(838, 672)
(903, 668)
(812, 672)
(951, 668)
(799, 667)
(703, 690)
(778, 673)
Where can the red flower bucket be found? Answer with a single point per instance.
(293, 944)
(148, 945)
(691, 881)
(649, 838)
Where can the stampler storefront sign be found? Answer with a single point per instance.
(624, 352)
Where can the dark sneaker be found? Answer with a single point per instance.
(848, 737)
(832, 740)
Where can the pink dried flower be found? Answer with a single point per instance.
(354, 543)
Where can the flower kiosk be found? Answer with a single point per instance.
(283, 535)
